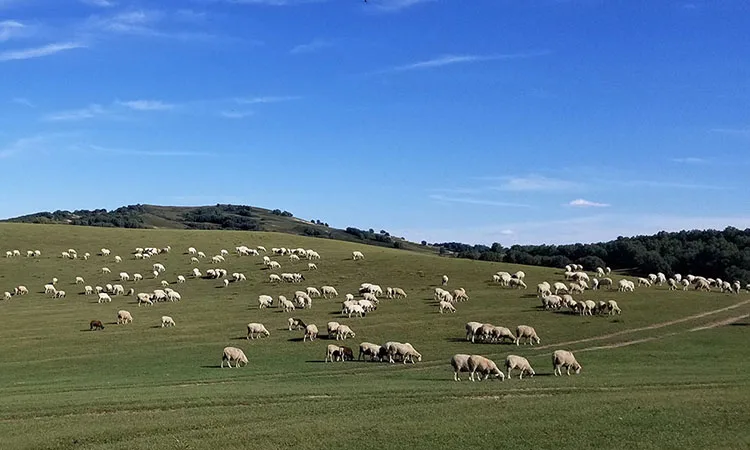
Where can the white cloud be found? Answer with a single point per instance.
(581, 203)
(21, 146)
(145, 23)
(449, 60)
(740, 131)
(268, 99)
(235, 114)
(396, 5)
(99, 3)
(37, 52)
(476, 201)
(154, 153)
(10, 29)
(310, 47)
(146, 105)
(534, 183)
(274, 2)
(92, 111)
(690, 160)
(24, 102)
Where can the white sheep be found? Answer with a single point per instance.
(460, 363)
(445, 280)
(124, 317)
(286, 305)
(354, 309)
(80, 280)
(124, 276)
(137, 277)
(273, 278)
(406, 351)
(144, 298)
(258, 329)
(483, 366)
(106, 270)
(471, 329)
(518, 362)
(49, 289)
(226, 282)
(329, 292)
(525, 331)
(443, 305)
(167, 321)
(6, 295)
(564, 358)
(613, 308)
(343, 332)
(374, 351)
(357, 255)
(295, 323)
(118, 259)
(105, 252)
(312, 266)
(233, 354)
(104, 297)
(311, 332)
(20, 290)
(59, 294)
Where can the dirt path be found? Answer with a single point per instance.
(721, 323)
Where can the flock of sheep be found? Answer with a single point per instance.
(557, 295)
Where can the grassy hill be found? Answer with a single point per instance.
(217, 217)
(670, 372)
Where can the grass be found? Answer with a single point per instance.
(141, 386)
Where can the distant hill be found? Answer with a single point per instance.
(217, 217)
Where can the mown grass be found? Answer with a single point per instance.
(141, 386)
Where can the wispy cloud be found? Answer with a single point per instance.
(23, 101)
(664, 184)
(10, 29)
(273, 2)
(145, 23)
(235, 114)
(131, 152)
(92, 111)
(99, 3)
(310, 47)
(449, 60)
(476, 201)
(690, 160)
(581, 203)
(268, 99)
(741, 131)
(534, 183)
(21, 145)
(146, 105)
(38, 52)
(397, 5)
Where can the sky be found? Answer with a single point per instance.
(534, 121)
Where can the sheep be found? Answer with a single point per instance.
(104, 297)
(20, 290)
(613, 308)
(108, 287)
(626, 286)
(471, 328)
(117, 289)
(445, 280)
(265, 301)
(59, 294)
(118, 259)
(559, 286)
(106, 270)
(600, 272)
(226, 282)
(95, 325)
(518, 362)
(233, 354)
(406, 351)
(336, 353)
(239, 276)
(517, 283)
(173, 296)
(286, 305)
(607, 270)
(594, 284)
(144, 298)
(313, 292)
(354, 309)
(99, 289)
(343, 332)
(311, 332)
(644, 282)
(543, 289)
(273, 278)
(357, 255)
(443, 305)
(564, 358)
(137, 277)
(460, 295)
(295, 323)
(256, 329)
(329, 292)
(525, 331)
(49, 289)
(368, 305)
(192, 250)
(80, 280)
(460, 363)
(483, 366)
(6, 295)
(673, 284)
(500, 333)
(399, 293)
(606, 282)
(685, 284)
(105, 252)
(124, 317)
(159, 267)
(130, 292)
(369, 349)
(167, 321)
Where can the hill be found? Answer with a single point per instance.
(218, 217)
(670, 372)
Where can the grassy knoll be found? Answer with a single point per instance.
(648, 381)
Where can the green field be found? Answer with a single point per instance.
(670, 372)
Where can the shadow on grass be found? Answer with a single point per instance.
(214, 366)
(297, 339)
(740, 324)
(157, 326)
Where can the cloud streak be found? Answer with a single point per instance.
(154, 153)
(311, 47)
(38, 52)
(146, 105)
(235, 114)
(99, 3)
(398, 5)
(24, 102)
(476, 201)
(690, 160)
(534, 183)
(450, 60)
(268, 99)
(90, 112)
(581, 203)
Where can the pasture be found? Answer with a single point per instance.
(670, 372)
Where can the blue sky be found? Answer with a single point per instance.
(535, 121)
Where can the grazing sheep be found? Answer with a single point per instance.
(118, 259)
(313, 292)
(460, 295)
(20, 290)
(311, 332)
(518, 362)
(445, 280)
(286, 305)
(124, 317)
(354, 309)
(180, 279)
(104, 297)
(273, 278)
(606, 282)
(613, 308)
(258, 329)
(343, 332)
(460, 363)
(329, 292)
(564, 358)
(59, 294)
(406, 351)
(357, 255)
(525, 331)
(265, 301)
(144, 298)
(369, 349)
(106, 270)
(233, 354)
(6, 295)
(95, 325)
(471, 329)
(517, 283)
(334, 353)
(399, 293)
(137, 277)
(80, 280)
(226, 282)
(483, 366)
(295, 323)
(443, 305)
(312, 266)
(500, 333)
(49, 289)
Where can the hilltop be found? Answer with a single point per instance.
(217, 217)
